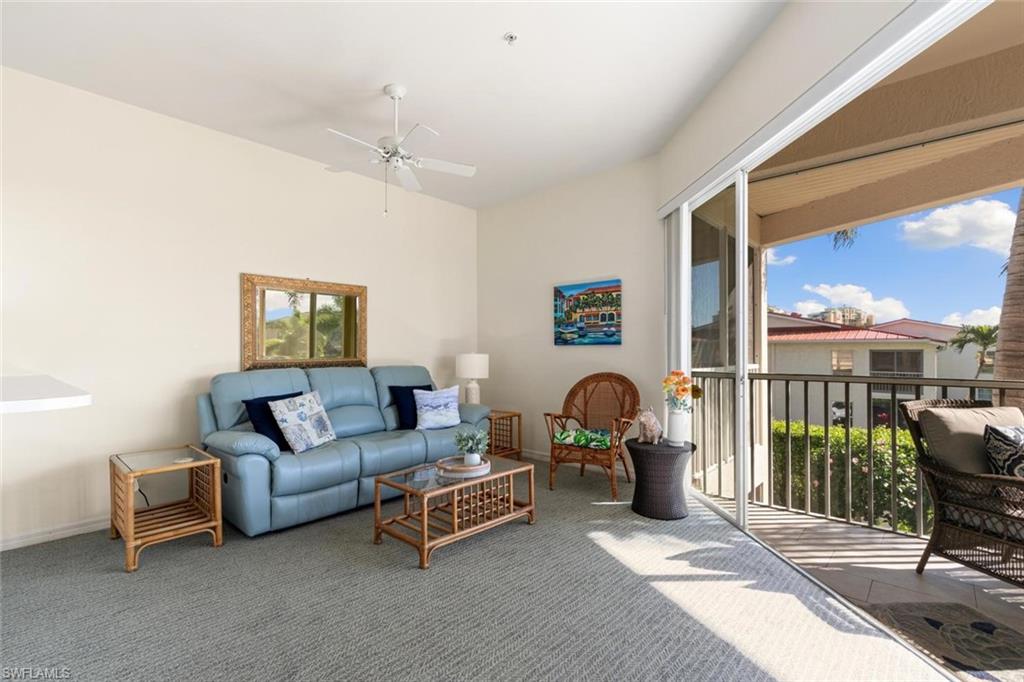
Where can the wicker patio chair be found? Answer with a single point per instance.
(599, 401)
(979, 518)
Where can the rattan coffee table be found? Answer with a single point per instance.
(438, 511)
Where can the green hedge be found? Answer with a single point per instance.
(906, 472)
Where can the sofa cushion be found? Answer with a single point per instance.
(262, 419)
(349, 395)
(955, 436)
(396, 375)
(227, 391)
(387, 451)
(441, 442)
(289, 510)
(405, 403)
(1004, 446)
(322, 467)
(473, 413)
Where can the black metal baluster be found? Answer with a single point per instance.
(849, 454)
(789, 451)
(826, 418)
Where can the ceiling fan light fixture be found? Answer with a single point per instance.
(390, 151)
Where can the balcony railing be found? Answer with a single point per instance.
(825, 445)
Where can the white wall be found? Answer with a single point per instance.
(124, 233)
(594, 228)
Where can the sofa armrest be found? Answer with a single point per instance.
(471, 414)
(238, 443)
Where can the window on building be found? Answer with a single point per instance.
(900, 363)
(896, 363)
(842, 362)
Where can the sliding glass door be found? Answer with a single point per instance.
(718, 273)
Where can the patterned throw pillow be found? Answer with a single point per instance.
(303, 421)
(437, 409)
(1004, 446)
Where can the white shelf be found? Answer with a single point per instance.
(39, 392)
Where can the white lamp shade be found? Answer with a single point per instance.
(472, 366)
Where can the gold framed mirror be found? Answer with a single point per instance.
(290, 322)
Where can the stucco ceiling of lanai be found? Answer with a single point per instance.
(946, 126)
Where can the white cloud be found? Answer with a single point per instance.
(773, 258)
(982, 223)
(809, 307)
(883, 309)
(975, 317)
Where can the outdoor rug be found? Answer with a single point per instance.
(974, 646)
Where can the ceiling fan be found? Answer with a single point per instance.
(390, 151)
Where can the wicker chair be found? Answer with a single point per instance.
(599, 401)
(979, 518)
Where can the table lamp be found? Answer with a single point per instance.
(472, 366)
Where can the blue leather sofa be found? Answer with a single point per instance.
(265, 488)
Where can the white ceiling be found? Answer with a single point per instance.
(586, 87)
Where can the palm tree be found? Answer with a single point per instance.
(844, 239)
(1010, 346)
(983, 336)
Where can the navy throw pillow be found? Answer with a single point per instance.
(405, 403)
(263, 421)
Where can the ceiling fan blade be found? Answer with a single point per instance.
(414, 129)
(464, 169)
(407, 178)
(356, 140)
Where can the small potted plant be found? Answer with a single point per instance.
(472, 444)
(680, 392)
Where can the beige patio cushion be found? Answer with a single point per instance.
(956, 436)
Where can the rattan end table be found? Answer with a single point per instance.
(506, 434)
(200, 512)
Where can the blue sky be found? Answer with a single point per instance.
(942, 264)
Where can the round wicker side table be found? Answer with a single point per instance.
(660, 491)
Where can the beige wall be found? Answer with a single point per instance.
(124, 233)
(598, 227)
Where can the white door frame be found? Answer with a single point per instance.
(741, 411)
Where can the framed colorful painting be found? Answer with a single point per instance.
(588, 314)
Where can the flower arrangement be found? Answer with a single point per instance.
(680, 391)
(472, 442)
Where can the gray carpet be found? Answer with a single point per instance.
(592, 591)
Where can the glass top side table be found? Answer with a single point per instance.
(200, 512)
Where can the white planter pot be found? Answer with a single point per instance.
(678, 431)
(471, 458)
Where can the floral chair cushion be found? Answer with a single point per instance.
(595, 439)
